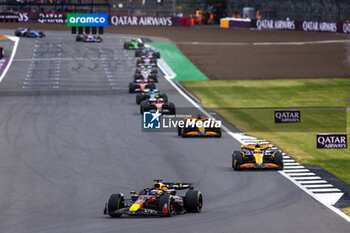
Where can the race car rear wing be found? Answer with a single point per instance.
(178, 186)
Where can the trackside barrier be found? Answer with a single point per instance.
(287, 24)
(114, 19)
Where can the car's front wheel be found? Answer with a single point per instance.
(193, 201)
(115, 202)
(166, 205)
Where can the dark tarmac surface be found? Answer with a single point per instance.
(70, 135)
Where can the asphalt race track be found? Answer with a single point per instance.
(70, 135)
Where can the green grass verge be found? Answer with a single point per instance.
(253, 103)
(183, 68)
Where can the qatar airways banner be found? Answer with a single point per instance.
(306, 26)
(115, 20)
(291, 25)
(42, 17)
(137, 20)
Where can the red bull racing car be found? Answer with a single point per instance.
(159, 200)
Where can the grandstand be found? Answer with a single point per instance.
(313, 10)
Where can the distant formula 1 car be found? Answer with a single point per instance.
(150, 51)
(199, 127)
(134, 43)
(146, 74)
(2, 52)
(159, 200)
(159, 104)
(146, 61)
(88, 38)
(140, 85)
(148, 94)
(154, 71)
(27, 32)
(257, 156)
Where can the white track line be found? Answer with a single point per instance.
(325, 190)
(304, 178)
(293, 167)
(16, 40)
(296, 170)
(313, 182)
(266, 43)
(318, 185)
(301, 174)
(242, 138)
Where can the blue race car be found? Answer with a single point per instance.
(150, 51)
(27, 32)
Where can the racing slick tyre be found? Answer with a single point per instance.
(179, 131)
(193, 201)
(143, 107)
(141, 45)
(278, 159)
(237, 160)
(151, 86)
(157, 55)
(164, 96)
(138, 53)
(139, 98)
(41, 34)
(172, 109)
(131, 88)
(115, 202)
(126, 45)
(155, 78)
(166, 205)
(139, 61)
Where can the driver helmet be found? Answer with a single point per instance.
(153, 192)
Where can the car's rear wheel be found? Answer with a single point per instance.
(139, 98)
(115, 202)
(237, 160)
(278, 160)
(152, 86)
(193, 201)
(179, 131)
(165, 97)
(131, 88)
(172, 109)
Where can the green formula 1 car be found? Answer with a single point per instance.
(134, 43)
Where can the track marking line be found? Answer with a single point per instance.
(305, 177)
(265, 43)
(16, 40)
(313, 182)
(318, 185)
(296, 170)
(301, 174)
(325, 190)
